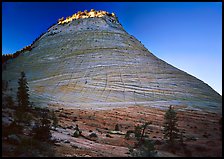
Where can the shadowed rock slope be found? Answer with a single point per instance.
(95, 63)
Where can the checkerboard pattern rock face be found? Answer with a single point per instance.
(94, 63)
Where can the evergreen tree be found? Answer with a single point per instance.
(170, 125)
(22, 94)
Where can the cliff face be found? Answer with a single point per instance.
(94, 63)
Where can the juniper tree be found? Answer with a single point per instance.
(144, 147)
(22, 94)
(144, 126)
(170, 125)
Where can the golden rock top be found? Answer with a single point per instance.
(81, 15)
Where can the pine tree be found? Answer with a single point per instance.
(170, 125)
(22, 94)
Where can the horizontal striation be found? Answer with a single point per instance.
(95, 61)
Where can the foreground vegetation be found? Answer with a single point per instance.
(28, 134)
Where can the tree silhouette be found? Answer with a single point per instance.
(170, 126)
(22, 94)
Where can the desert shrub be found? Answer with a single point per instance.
(76, 133)
(42, 131)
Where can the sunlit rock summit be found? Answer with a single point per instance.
(88, 60)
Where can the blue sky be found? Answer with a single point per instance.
(186, 35)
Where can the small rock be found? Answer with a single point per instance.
(57, 144)
(107, 135)
(66, 141)
(93, 134)
(132, 135)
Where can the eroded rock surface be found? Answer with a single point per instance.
(94, 63)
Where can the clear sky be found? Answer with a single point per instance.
(186, 35)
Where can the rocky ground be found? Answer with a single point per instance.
(202, 135)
